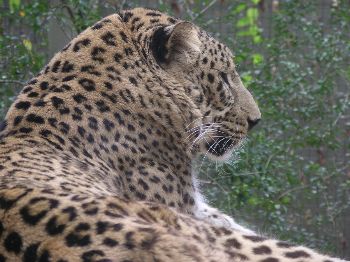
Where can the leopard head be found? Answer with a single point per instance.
(205, 69)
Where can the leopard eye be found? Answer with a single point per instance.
(224, 77)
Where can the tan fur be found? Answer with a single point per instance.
(96, 151)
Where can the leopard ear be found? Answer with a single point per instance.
(176, 44)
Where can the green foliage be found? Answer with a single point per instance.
(20, 60)
(291, 175)
(290, 178)
(14, 5)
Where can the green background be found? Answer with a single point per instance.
(291, 180)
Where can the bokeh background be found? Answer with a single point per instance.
(291, 180)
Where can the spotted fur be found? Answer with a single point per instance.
(96, 151)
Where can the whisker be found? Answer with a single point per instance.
(192, 133)
(202, 127)
(197, 119)
(207, 131)
(200, 137)
(208, 152)
(228, 139)
(199, 131)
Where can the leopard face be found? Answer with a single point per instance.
(205, 68)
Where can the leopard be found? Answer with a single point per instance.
(96, 151)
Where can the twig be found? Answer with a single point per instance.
(12, 81)
(71, 15)
(204, 9)
(292, 190)
(188, 10)
(122, 5)
(213, 182)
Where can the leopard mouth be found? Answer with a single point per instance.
(216, 144)
(220, 146)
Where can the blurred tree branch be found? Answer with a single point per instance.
(9, 81)
(205, 9)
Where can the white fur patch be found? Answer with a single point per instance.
(217, 218)
(212, 215)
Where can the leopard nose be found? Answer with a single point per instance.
(252, 123)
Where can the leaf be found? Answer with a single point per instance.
(14, 5)
(252, 14)
(239, 8)
(246, 78)
(253, 201)
(27, 44)
(257, 39)
(255, 2)
(285, 200)
(253, 30)
(243, 22)
(257, 59)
